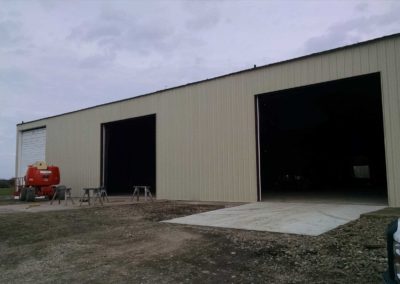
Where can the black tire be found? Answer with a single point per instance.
(22, 194)
(60, 192)
(30, 194)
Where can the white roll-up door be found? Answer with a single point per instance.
(33, 148)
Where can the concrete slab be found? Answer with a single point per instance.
(283, 217)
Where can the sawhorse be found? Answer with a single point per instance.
(58, 193)
(146, 189)
(96, 195)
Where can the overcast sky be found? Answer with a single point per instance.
(60, 56)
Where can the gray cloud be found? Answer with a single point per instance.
(12, 76)
(114, 15)
(10, 33)
(101, 32)
(361, 7)
(202, 16)
(355, 30)
(97, 61)
(144, 38)
(127, 34)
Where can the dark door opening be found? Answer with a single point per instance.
(129, 154)
(325, 138)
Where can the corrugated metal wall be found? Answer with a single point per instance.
(206, 148)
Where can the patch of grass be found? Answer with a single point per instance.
(6, 191)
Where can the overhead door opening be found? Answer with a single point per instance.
(129, 154)
(324, 139)
(32, 148)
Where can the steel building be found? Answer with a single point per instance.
(327, 122)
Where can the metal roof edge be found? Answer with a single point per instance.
(226, 75)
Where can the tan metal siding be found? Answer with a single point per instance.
(390, 77)
(206, 132)
(394, 191)
(197, 166)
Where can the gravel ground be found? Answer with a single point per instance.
(128, 244)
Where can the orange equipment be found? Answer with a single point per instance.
(40, 180)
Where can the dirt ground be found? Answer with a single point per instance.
(128, 244)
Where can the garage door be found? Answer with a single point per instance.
(33, 148)
(324, 139)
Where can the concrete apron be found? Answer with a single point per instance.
(310, 219)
